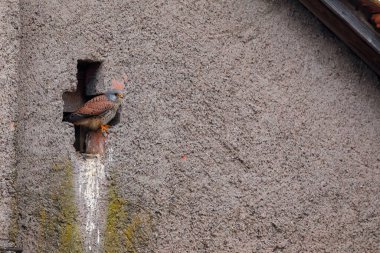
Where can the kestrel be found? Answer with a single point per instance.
(99, 111)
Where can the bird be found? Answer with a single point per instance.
(372, 6)
(99, 111)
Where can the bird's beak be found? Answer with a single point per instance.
(120, 95)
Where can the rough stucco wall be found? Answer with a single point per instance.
(9, 44)
(277, 119)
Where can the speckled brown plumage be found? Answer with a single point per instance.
(98, 111)
(96, 106)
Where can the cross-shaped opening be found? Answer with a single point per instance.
(87, 76)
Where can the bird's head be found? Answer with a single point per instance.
(117, 89)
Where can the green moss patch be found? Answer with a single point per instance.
(127, 229)
(59, 228)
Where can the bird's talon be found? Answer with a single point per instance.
(104, 129)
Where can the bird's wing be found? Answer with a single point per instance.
(372, 6)
(93, 107)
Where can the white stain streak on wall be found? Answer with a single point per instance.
(90, 186)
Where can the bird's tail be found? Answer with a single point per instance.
(72, 117)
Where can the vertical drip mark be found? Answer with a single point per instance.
(90, 186)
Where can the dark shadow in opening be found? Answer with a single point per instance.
(87, 78)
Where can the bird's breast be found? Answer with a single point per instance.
(110, 114)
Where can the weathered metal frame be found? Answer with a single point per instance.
(358, 34)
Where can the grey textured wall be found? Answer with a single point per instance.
(277, 119)
(9, 49)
